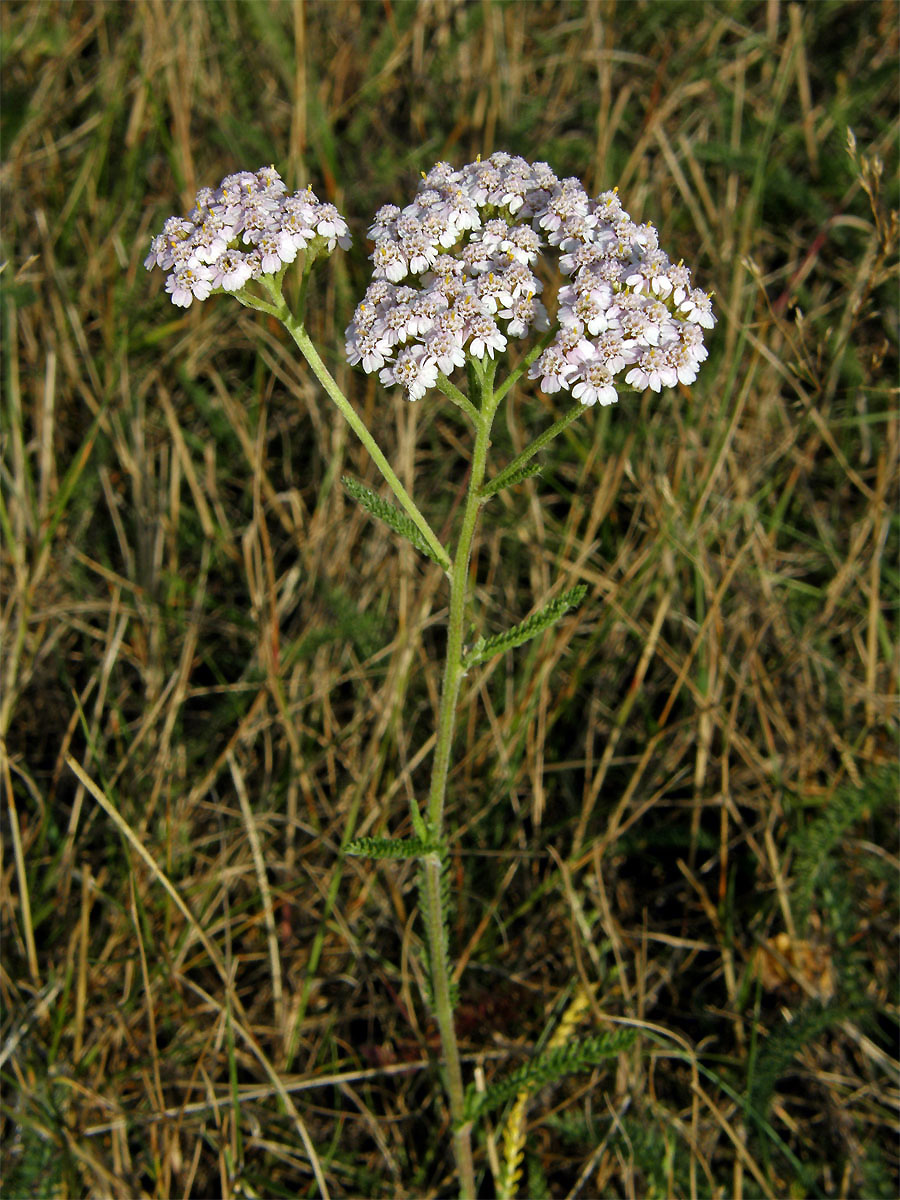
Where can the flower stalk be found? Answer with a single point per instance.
(324, 376)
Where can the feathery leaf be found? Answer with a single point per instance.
(391, 516)
(374, 847)
(819, 843)
(486, 648)
(546, 1068)
(510, 478)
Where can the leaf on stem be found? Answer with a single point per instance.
(391, 516)
(374, 847)
(510, 473)
(510, 478)
(553, 1065)
(486, 648)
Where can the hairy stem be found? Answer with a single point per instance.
(436, 917)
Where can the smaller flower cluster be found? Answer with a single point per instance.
(473, 238)
(247, 227)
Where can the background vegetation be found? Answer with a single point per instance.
(680, 804)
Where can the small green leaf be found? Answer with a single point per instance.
(391, 516)
(370, 847)
(486, 648)
(510, 473)
(576, 1055)
(510, 478)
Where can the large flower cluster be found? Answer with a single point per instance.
(247, 227)
(454, 276)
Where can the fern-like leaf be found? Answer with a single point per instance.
(510, 478)
(818, 845)
(391, 516)
(486, 648)
(374, 847)
(779, 1050)
(549, 1067)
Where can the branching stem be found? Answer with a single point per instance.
(481, 377)
(298, 332)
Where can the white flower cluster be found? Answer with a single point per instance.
(247, 227)
(454, 276)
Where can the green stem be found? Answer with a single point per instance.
(452, 392)
(298, 332)
(531, 450)
(453, 669)
(442, 999)
(304, 285)
(433, 896)
(535, 352)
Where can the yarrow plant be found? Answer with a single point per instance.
(459, 275)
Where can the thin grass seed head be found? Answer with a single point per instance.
(454, 276)
(246, 227)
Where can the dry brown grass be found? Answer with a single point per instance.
(216, 669)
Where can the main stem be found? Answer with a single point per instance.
(433, 895)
